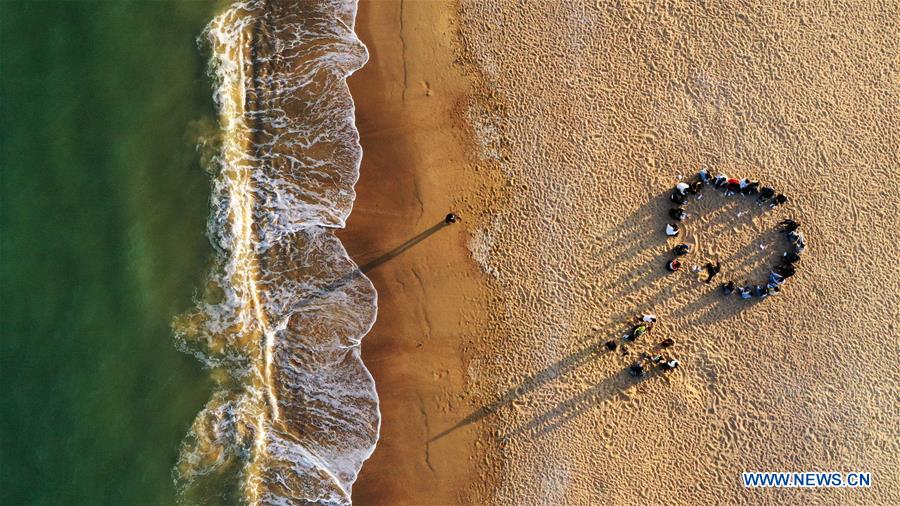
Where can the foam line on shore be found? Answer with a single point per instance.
(285, 308)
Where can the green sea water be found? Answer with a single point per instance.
(102, 243)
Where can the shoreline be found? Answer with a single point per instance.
(285, 309)
(411, 99)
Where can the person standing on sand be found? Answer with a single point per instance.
(636, 369)
(451, 218)
(682, 249)
(749, 187)
(797, 241)
(765, 194)
(732, 186)
(778, 200)
(776, 278)
(648, 318)
(647, 321)
(788, 225)
(784, 270)
(728, 288)
(712, 270)
(670, 364)
(637, 331)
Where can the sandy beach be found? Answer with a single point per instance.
(411, 99)
(557, 133)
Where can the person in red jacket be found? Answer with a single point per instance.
(732, 186)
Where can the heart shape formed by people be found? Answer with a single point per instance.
(745, 189)
(655, 358)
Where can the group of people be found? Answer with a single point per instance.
(639, 368)
(783, 270)
(765, 196)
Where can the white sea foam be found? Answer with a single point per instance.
(285, 308)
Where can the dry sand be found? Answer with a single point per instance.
(556, 130)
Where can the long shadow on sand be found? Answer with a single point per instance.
(529, 384)
(614, 385)
(394, 253)
(372, 264)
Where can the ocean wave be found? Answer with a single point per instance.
(284, 308)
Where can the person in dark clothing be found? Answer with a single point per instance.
(766, 193)
(669, 365)
(797, 242)
(750, 188)
(745, 292)
(678, 197)
(790, 257)
(611, 345)
(784, 270)
(788, 225)
(760, 291)
(682, 249)
(778, 200)
(677, 213)
(451, 218)
(712, 270)
(696, 186)
(728, 288)
(636, 369)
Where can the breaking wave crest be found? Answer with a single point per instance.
(284, 308)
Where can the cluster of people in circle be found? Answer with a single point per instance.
(765, 196)
(656, 358)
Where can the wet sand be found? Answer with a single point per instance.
(557, 133)
(414, 171)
